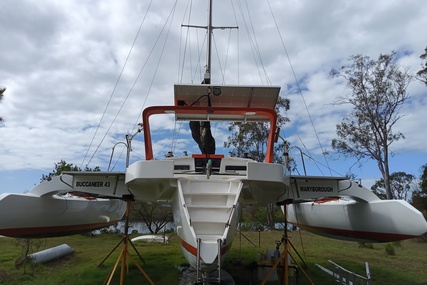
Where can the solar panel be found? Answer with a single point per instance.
(225, 96)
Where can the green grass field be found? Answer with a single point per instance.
(407, 266)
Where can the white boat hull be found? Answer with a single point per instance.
(374, 221)
(33, 215)
(206, 214)
(151, 238)
(206, 208)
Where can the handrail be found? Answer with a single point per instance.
(286, 154)
(60, 178)
(112, 153)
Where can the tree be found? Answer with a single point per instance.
(422, 74)
(254, 218)
(419, 197)
(28, 246)
(153, 215)
(2, 89)
(378, 91)
(250, 138)
(62, 166)
(401, 185)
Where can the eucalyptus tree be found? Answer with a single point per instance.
(155, 216)
(419, 197)
(402, 184)
(61, 166)
(2, 89)
(422, 74)
(250, 139)
(377, 93)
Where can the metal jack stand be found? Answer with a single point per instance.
(124, 253)
(283, 258)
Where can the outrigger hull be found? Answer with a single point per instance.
(340, 208)
(348, 219)
(29, 216)
(51, 209)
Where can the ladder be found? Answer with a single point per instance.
(212, 213)
(202, 276)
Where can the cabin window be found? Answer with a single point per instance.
(181, 167)
(201, 164)
(235, 168)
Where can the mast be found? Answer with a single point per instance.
(201, 130)
(209, 28)
(207, 76)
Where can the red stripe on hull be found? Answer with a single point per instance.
(359, 235)
(39, 232)
(191, 249)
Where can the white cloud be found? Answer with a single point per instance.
(60, 61)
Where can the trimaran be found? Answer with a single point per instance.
(207, 191)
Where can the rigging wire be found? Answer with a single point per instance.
(254, 46)
(238, 43)
(200, 50)
(169, 19)
(112, 93)
(251, 43)
(222, 69)
(181, 67)
(172, 12)
(257, 49)
(217, 56)
(184, 53)
(134, 84)
(300, 91)
(226, 58)
(249, 26)
(175, 136)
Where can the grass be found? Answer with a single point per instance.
(407, 266)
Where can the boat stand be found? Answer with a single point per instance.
(286, 256)
(124, 253)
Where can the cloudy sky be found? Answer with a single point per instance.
(78, 74)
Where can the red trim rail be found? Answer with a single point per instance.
(211, 113)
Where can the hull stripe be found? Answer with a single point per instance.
(53, 230)
(373, 236)
(191, 249)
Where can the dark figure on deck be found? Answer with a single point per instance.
(201, 132)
